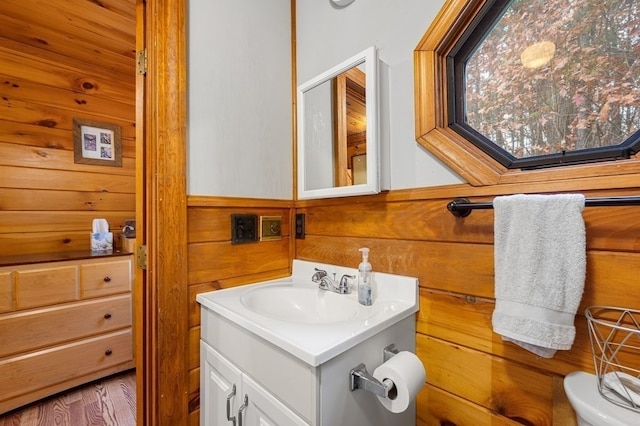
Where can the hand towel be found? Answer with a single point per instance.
(540, 267)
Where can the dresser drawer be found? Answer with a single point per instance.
(101, 279)
(46, 286)
(37, 370)
(30, 330)
(6, 292)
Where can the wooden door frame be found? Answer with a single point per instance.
(161, 306)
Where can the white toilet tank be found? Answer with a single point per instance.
(590, 407)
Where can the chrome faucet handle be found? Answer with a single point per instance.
(344, 283)
(319, 275)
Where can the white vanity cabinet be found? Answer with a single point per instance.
(282, 390)
(225, 388)
(290, 348)
(219, 381)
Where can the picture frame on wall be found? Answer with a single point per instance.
(97, 143)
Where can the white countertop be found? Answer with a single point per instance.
(395, 298)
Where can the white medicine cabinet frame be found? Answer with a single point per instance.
(315, 141)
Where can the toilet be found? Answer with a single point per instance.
(590, 407)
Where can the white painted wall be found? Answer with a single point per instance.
(239, 117)
(327, 35)
(240, 98)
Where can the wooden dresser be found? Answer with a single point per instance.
(65, 319)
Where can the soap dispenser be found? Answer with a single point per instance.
(364, 279)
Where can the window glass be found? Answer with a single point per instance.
(550, 77)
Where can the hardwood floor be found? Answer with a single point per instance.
(107, 402)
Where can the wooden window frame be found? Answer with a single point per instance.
(433, 131)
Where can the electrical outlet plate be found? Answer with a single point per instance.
(244, 228)
(300, 226)
(271, 228)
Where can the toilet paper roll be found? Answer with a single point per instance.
(407, 373)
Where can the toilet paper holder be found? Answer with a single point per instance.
(361, 379)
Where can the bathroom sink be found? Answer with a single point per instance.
(300, 304)
(314, 325)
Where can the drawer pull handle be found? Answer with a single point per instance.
(107, 279)
(107, 316)
(108, 352)
(242, 408)
(231, 395)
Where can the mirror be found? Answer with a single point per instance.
(338, 148)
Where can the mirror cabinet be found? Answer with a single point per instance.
(338, 146)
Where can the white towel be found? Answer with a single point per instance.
(540, 266)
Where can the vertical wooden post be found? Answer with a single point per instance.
(164, 304)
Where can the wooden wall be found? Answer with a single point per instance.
(473, 378)
(58, 61)
(214, 263)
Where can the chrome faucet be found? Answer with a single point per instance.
(326, 283)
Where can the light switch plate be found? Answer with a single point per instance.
(270, 228)
(244, 228)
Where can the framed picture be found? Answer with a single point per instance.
(96, 143)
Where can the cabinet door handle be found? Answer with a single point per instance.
(107, 316)
(108, 352)
(242, 408)
(107, 279)
(231, 395)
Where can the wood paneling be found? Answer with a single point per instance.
(23, 36)
(46, 158)
(215, 263)
(473, 377)
(43, 242)
(39, 221)
(13, 199)
(40, 136)
(507, 388)
(107, 27)
(63, 98)
(443, 408)
(59, 61)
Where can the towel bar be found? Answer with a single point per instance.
(461, 207)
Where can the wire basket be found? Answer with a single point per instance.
(615, 344)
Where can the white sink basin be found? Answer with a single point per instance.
(312, 324)
(302, 305)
